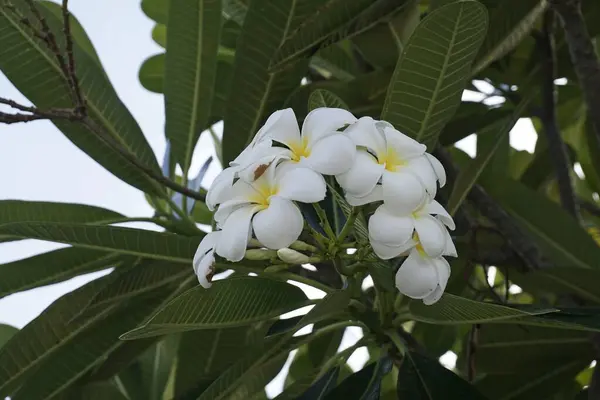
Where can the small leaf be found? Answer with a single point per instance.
(152, 73)
(6, 332)
(322, 387)
(137, 242)
(193, 34)
(228, 303)
(324, 98)
(453, 309)
(468, 176)
(52, 267)
(157, 10)
(159, 35)
(420, 377)
(432, 71)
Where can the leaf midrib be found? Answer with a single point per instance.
(192, 128)
(99, 115)
(534, 342)
(442, 73)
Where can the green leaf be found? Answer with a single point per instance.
(322, 387)
(582, 282)
(536, 383)
(235, 10)
(98, 391)
(259, 92)
(336, 61)
(42, 211)
(53, 267)
(156, 365)
(157, 10)
(77, 356)
(143, 277)
(432, 71)
(364, 384)
(511, 349)
(227, 304)
(452, 310)
(137, 242)
(420, 377)
(34, 70)
(559, 236)
(510, 22)
(159, 35)
(217, 349)
(193, 34)
(470, 118)
(332, 21)
(152, 73)
(468, 176)
(6, 332)
(324, 98)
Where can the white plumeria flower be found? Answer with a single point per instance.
(406, 172)
(320, 146)
(278, 221)
(391, 233)
(423, 277)
(204, 259)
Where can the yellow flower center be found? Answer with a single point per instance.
(391, 160)
(418, 246)
(300, 149)
(263, 194)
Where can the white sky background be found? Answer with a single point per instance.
(37, 162)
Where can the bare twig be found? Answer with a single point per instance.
(79, 112)
(556, 146)
(583, 55)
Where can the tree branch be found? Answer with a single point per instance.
(583, 55)
(556, 146)
(516, 238)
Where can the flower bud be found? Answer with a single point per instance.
(292, 256)
(259, 254)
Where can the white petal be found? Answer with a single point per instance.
(437, 166)
(301, 184)
(279, 225)
(254, 169)
(443, 269)
(435, 208)
(364, 133)
(205, 269)
(208, 243)
(431, 235)
(450, 249)
(402, 191)
(389, 229)
(220, 189)
(362, 176)
(386, 252)
(226, 208)
(422, 168)
(242, 190)
(283, 128)
(332, 155)
(324, 121)
(403, 145)
(234, 238)
(374, 195)
(417, 277)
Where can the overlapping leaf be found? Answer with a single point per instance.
(259, 92)
(193, 34)
(229, 303)
(52, 267)
(431, 73)
(33, 69)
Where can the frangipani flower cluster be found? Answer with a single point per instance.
(257, 196)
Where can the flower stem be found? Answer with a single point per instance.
(324, 221)
(348, 225)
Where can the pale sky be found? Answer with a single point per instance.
(37, 162)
